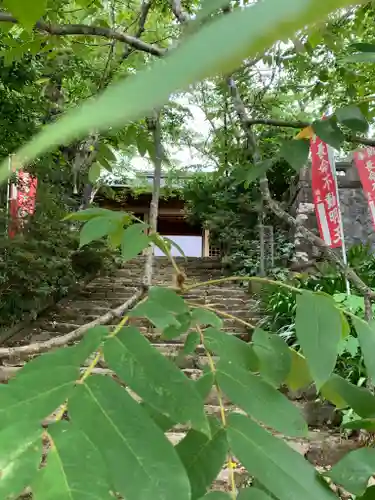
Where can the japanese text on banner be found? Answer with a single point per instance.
(365, 163)
(325, 194)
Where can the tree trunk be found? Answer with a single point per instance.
(153, 124)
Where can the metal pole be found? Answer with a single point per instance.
(343, 247)
(262, 269)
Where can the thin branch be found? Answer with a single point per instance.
(145, 9)
(302, 124)
(85, 30)
(223, 417)
(23, 352)
(224, 314)
(179, 14)
(332, 256)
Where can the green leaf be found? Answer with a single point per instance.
(106, 152)
(248, 32)
(231, 349)
(95, 229)
(358, 398)
(363, 47)
(352, 117)
(369, 494)
(216, 495)
(27, 13)
(159, 316)
(260, 400)
(265, 457)
(20, 456)
(299, 375)
(142, 141)
(94, 172)
(174, 244)
(115, 236)
(203, 457)
(254, 172)
(168, 299)
(161, 243)
(173, 331)
(318, 329)
(296, 153)
(274, 355)
(367, 424)
(75, 469)
(191, 343)
(208, 7)
(200, 316)
(155, 379)
(329, 132)
(351, 345)
(366, 338)
(204, 384)
(90, 213)
(45, 382)
(252, 494)
(134, 241)
(354, 470)
(128, 440)
(345, 331)
(361, 57)
(69, 357)
(40, 388)
(165, 423)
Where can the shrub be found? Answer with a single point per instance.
(279, 305)
(43, 260)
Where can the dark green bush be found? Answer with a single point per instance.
(43, 260)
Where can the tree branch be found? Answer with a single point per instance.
(24, 352)
(85, 30)
(277, 209)
(302, 124)
(178, 12)
(145, 9)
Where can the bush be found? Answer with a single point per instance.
(279, 305)
(43, 260)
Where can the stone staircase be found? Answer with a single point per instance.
(322, 448)
(105, 293)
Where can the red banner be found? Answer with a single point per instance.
(22, 197)
(325, 193)
(365, 163)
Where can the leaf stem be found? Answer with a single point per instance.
(266, 281)
(221, 313)
(211, 364)
(91, 367)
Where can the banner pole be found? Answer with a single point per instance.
(343, 247)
